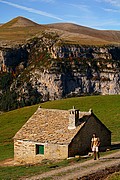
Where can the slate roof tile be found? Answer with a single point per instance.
(49, 125)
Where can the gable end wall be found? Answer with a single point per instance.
(81, 143)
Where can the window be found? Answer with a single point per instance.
(39, 149)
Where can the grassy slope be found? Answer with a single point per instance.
(114, 176)
(107, 109)
(20, 29)
(10, 123)
(85, 35)
(19, 34)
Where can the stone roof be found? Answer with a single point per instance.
(50, 126)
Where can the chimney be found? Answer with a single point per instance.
(73, 118)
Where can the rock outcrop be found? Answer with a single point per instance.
(75, 80)
(56, 70)
(11, 58)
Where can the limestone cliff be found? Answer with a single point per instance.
(56, 70)
(66, 79)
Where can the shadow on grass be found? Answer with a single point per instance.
(115, 146)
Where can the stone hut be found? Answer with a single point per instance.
(58, 134)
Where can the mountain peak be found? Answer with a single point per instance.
(19, 22)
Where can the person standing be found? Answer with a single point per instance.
(95, 143)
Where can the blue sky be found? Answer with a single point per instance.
(98, 14)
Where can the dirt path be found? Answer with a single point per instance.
(7, 162)
(83, 170)
(88, 170)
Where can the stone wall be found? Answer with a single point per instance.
(81, 144)
(56, 151)
(25, 152)
(95, 126)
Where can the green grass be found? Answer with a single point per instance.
(7, 173)
(15, 172)
(106, 108)
(10, 123)
(19, 34)
(114, 176)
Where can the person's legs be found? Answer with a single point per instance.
(94, 152)
(97, 151)
(94, 155)
(98, 154)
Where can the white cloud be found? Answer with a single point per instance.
(73, 16)
(46, 1)
(31, 10)
(111, 10)
(111, 2)
(81, 7)
(102, 25)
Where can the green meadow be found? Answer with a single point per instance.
(106, 108)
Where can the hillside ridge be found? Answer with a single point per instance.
(108, 35)
(68, 32)
(19, 22)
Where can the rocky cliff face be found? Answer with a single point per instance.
(66, 79)
(56, 70)
(11, 58)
